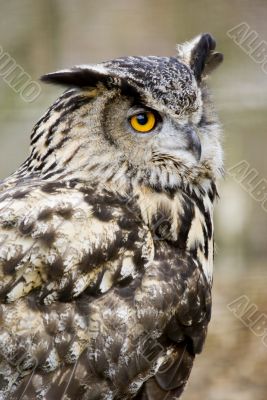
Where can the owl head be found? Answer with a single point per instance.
(145, 118)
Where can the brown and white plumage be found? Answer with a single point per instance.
(106, 236)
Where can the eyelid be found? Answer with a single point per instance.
(137, 110)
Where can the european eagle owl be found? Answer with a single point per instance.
(106, 233)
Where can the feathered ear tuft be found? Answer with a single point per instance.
(88, 76)
(199, 54)
(77, 77)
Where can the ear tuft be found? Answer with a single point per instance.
(75, 77)
(88, 76)
(199, 54)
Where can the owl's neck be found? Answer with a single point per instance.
(182, 222)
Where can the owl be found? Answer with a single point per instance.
(106, 233)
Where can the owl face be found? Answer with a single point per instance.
(142, 134)
(150, 114)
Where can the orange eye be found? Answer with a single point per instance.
(143, 122)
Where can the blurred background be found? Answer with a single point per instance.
(46, 35)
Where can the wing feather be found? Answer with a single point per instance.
(89, 296)
(63, 242)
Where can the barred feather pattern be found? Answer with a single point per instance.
(66, 295)
(106, 253)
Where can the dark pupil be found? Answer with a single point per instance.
(142, 119)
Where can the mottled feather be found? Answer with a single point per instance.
(106, 237)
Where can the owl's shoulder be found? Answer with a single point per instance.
(65, 237)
